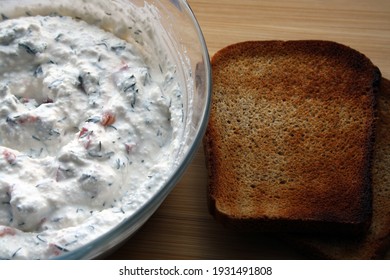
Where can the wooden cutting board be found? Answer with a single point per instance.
(182, 227)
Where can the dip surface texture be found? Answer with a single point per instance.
(88, 132)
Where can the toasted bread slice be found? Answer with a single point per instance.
(289, 142)
(377, 240)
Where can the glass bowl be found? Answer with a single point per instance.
(187, 50)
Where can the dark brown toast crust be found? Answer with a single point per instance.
(289, 142)
(376, 242)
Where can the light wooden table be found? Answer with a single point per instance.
(182, 227)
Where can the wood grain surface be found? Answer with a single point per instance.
(182, 227)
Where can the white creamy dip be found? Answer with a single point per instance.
(88, 126)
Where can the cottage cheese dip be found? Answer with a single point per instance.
(89, 127)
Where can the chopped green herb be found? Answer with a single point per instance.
(14, 254)
(61, 248)
(58, 37)
(118, 48)
(85, 177)
(29, 48)
(40, 238)
(94, 119)
(38, 71)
